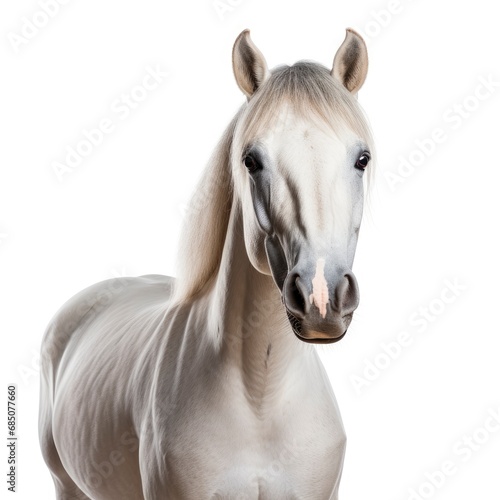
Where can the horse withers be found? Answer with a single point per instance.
(206, 386)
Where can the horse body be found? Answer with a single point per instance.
(199, 387)
(167, 408)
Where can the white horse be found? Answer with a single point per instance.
(207, 387)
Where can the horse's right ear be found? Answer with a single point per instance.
(249, 66)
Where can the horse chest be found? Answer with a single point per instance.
(234, 454)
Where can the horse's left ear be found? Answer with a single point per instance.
(351, 62)
(249, 65)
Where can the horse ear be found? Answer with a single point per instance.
(351, 62)
(249, 66)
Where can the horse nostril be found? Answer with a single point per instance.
(348, 298)
(295, 296)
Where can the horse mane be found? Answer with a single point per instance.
(312, 93)
(206, 222)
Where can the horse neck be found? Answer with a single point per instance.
(250, 321)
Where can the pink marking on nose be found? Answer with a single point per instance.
(319, 297)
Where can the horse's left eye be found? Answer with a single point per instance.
(363, 160)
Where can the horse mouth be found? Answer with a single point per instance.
(296, 325)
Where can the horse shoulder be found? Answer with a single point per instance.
(86, 306)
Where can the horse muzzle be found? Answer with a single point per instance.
(320, 305)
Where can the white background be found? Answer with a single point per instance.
(120, 210)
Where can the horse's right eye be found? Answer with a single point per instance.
(251, 163)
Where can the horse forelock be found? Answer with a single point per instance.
(313, 94)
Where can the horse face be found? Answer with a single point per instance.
(304, 197)
(301, 187)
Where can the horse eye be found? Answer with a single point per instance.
(362, 161)
(251, 163)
